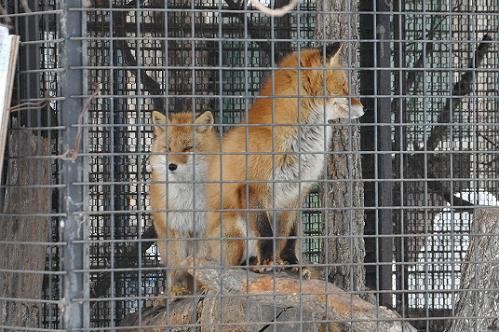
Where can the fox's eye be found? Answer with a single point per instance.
(187, 149)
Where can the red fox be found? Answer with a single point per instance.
(269, 165)
(177, 190)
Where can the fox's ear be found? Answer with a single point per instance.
(159, 118)
(158, 121)
(335, 54)
(204, 122)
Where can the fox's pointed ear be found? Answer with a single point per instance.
(204, 122)
(159, 120)
(335, 54)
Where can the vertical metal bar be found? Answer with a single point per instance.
(428, 223)
(366, 78)
(112, 76)
(377, 166)
(32, 60)
(139, 18)
(384, 145)
(398, 199)
(72, 171)
(119, 160)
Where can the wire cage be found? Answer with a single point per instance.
(393, 226)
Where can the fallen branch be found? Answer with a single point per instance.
(242, 300)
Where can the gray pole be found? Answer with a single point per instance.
(71, 171)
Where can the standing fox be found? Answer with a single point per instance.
(271, 164)
(178, 191)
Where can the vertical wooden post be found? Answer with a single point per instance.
(24, 229)
(344, 229)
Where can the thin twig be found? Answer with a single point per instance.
(488, 139)
(73, 153)
(30, 105)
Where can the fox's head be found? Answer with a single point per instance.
(178, 140)
(322, 77)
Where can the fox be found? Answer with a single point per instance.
(269, 163)
(177, 191)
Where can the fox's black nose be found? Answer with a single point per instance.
(172, 167)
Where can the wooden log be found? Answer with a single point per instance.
(240, 300)
(22, 259)
(477, 307)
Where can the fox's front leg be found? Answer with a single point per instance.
(289, 243)
(224, 239)
(266, 259)
(172, 251)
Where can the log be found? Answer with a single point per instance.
(21, 229)
(255, 302)
(477, 306)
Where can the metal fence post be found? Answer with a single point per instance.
(72, 171)
(377, 167)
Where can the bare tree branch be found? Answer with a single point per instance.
(408, 83)
(458, 203)
(150, 84)
(255, 32)
(460, 89)
(129, 259)
(234, 296)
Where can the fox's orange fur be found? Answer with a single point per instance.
(272, 163)
(179, 170)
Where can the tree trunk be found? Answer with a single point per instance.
(21, 229)
(344, 229)
(479, 296)
(255, 302)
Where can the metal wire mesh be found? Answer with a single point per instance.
(102, 264)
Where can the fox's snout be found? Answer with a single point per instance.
(357, 109)
(343, 108)
(172, 167)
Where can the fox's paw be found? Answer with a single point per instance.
(178, 290)
(268, 265)
(302, 271)
(306, 274)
